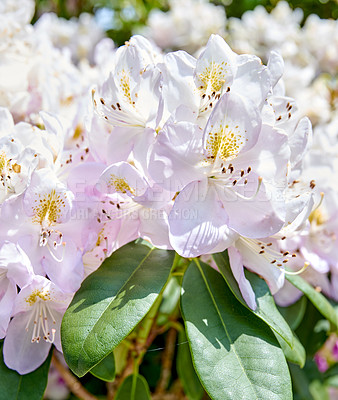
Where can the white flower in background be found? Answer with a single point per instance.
(77, 35)
(34, 76)
(14, 16)
(310, 67)
(317, 100)
(259, 32)
(187, 25)
(17, 161)
(317, 31)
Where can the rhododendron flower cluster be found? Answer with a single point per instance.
(310, 77)
(100, 147)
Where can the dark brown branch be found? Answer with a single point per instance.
(72, 383)
(112, 388)
(167, 361)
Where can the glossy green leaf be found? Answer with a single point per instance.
(185, 370)
(14, 386)
(105, 369)
(316, 298)
(111, 302)
(134, 387)
(294, 313)
(235, 354)
(266, 308)
(297, 354)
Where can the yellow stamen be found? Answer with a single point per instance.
(120, 184)
(49, 207)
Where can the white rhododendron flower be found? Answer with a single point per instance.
(78, 36)
(38, 310)
(15, 269)
(15, 15)
(177, 29)
(259, 32)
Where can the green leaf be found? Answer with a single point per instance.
(235, 354)
(332, 381)
(316, 298)
(266, 308)
(331, 376)
(185, 370)
(294, 313)
(23, 387)
(297, 354)
(311, 337)
(111, 302)
(121, 354)
(134, 387)
(105, 369)
(319, 391)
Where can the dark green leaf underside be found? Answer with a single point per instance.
(105, 369)
(134, 387)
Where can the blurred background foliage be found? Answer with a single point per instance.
(120, 17)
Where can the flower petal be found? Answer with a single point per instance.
(216, 66)
(197, 222)
(174, 159)
(237, 268)
(233, 127)
(122, 178)
(67, 274)
(19, 352)
(6, 304)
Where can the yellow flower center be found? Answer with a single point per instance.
(4, 163)
(213, 77)
(224, 143)
(125, 86)
(49, 207)
(120, 185)
(36, 295)
(317, 217)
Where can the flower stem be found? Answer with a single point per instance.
(167, 361)
(72, 383)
